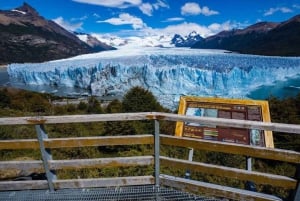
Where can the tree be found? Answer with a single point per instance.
(4, 99)
(138, 99)
(94, 106)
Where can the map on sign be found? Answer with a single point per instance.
(252, 110)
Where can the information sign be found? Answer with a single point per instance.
(252, 110)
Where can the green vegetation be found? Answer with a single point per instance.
(23, 103)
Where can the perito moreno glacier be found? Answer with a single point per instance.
(167, 72)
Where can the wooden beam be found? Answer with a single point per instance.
(234, 173)
(103, 182)
(214, 190)
(287, 128)
(246, 150)
(19, 144)
(25, 166)
(101, 162)
(23, 185)
(72, 118)
(98, 141)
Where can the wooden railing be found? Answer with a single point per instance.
(49, 166)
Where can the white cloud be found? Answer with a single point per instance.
(96, 15)
(194, 9)
(271, 11)
(112, 3)
(205, 31)
(126, 19)
(190, 9)
(160, 4)
(67, 25)
(146, 8)
(80, 18)
(174, 19)
(207, 12)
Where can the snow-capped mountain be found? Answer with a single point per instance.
(186, 41)
(93, 42)
(167, 72)
(127, 42)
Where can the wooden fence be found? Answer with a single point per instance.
(49, 166)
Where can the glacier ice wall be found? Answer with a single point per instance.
(168, 73)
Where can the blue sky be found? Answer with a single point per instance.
(152, 17)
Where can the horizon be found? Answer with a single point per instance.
(141, 18)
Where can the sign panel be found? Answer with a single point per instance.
(252, 110)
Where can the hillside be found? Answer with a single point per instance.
(25, 36)
(264, 38)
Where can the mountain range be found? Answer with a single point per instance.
(187, 41)
(263, 38)
(25, 36)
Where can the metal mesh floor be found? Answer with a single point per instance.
(132, 193)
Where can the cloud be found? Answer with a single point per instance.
(207, 12)
(146, 8)
(190, 9)
(112, 3)
(271, 11)
(205, 31)
(174, 19)
(160, 4)
(80, 18)
(67, 25)
(194, 9)
(126, 19)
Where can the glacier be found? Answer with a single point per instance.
(167, 72)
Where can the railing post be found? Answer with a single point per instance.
(249, 185)
(297, 190)
(156, 153)
(156, 158)
(46, 155)
(191, 155)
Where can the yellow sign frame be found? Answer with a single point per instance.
(264, 105)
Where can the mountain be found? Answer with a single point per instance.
(264, 38)
(93, 42)
(25, 36)
(187, 41)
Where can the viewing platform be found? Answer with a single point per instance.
(157, 179)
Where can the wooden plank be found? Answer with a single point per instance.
(24, 166)
(246, 150)
(103, 182)
(234, 173)
(19, 144)
(101, 162)
(214, 190)
(98, 141)
(287, 128)
(23, 185)
(72, 118)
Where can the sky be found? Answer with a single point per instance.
(126, 18)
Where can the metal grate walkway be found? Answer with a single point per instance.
(131, 193)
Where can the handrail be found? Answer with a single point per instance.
(51, 143)
(288, 128)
